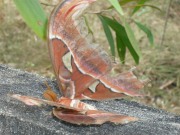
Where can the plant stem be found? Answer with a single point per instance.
(166, 22)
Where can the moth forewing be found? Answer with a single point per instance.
(91, 117)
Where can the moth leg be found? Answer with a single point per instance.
(49, 94)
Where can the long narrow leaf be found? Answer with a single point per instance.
(33, 15)
(108, 34)
(151, 6)
(132, 38)
(121, 48)
(140, 2)
(123, 2)
(142, 5)
(117, 6)
(121, 32)
(147, 31)
(87, 24)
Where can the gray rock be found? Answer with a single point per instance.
(17, 118)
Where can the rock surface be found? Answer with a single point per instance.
(17, 118)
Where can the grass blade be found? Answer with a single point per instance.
(140, 2)
(33, 15)
(151, 6)
(123, 2)
(121, 48)
(117, 6)
(132, 38)
(108, 34)
(87, 24)
(147, 31)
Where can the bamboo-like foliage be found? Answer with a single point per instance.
(35, 17)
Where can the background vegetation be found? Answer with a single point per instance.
(21, 48)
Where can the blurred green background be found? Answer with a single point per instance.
(21, 48)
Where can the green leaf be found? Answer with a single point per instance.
(33, 15)
(140, 2)
(121, 48)
(147, 31)
(108, 34)
(121, 32)
(151, 6)
(87, 24)
(123, 2)
(117, 6)
(132, 38)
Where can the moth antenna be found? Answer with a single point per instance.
(47, 85)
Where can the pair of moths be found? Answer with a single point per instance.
(89, 66)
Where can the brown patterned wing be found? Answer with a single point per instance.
(91, 117)
(89, 62)
(76, 112)
(62, 102)
(64, 37)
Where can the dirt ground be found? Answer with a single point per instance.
(21, 48)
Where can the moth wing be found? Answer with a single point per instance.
(57, 50)
(101, 93)
(126, 83)
(89, 62)
(91, 117)
(32, 101)
(62, 102)
(108, 87)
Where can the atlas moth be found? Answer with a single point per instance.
(90, 65)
